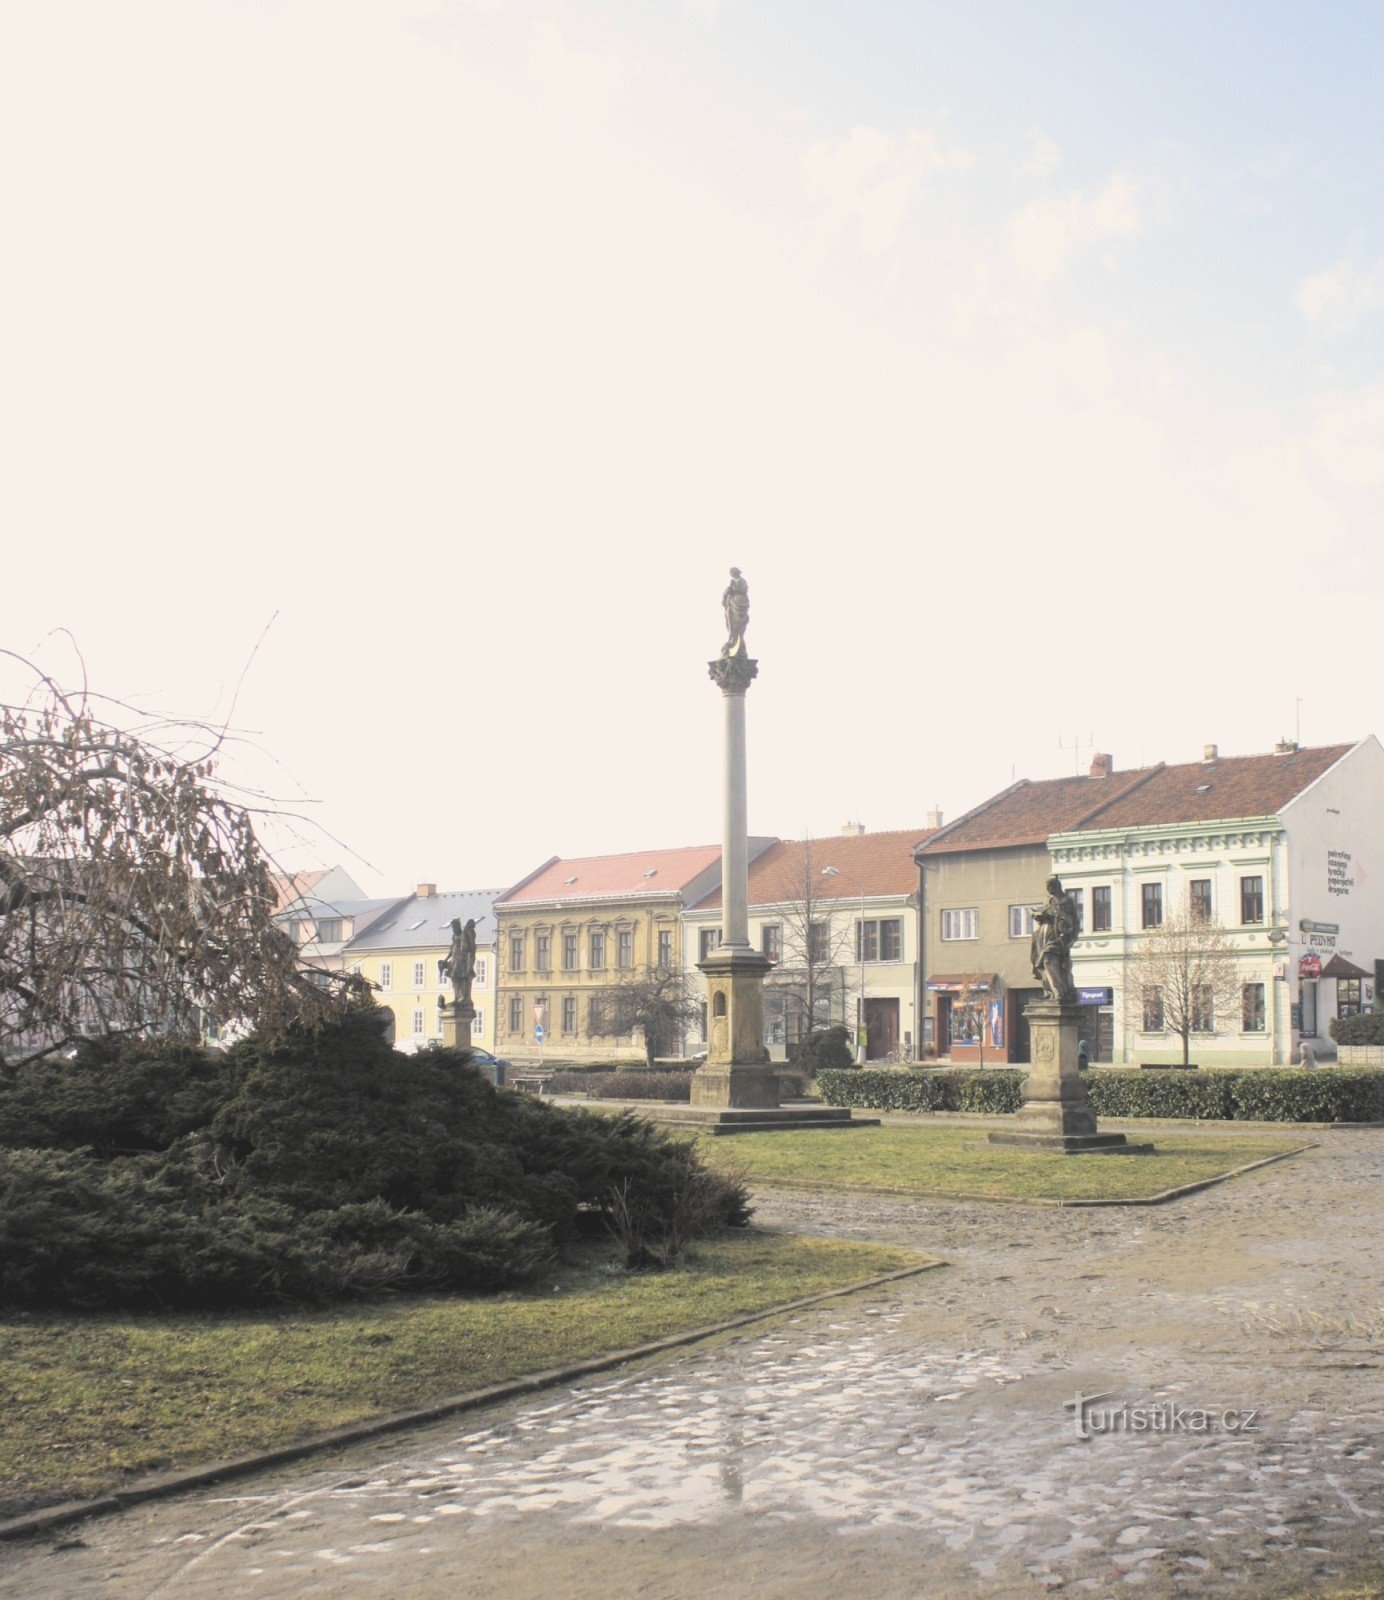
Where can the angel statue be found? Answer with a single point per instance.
(460, 963)
(736, 602)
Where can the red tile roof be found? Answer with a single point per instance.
(1206, 791)
(291, 886)
(644, 874)
(1027, 812)
(875, 863)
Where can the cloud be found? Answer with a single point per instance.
(1044, 156)
(581, 79)
(871, 177)
(704, 10)
(1348, 440)
(1337, 298)
(1045, 237)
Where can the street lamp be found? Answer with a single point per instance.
(835, 872)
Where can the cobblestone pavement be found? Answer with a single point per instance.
(913, 1441)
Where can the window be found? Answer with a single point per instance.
(1251, 899)
(1100, 908)
(1078, 899)
(880, 940)
(708, 939)
(963, 924)
(355, 969)
(867, 941)
(542, 952)
(386, 974)
(1203, 1009)
(597, 952)
(1252, 1008)
(624, 948)
(1153, 1009)
(420, 974)
(570, 959)
(478, 1025)
(1199, 898)
(480, 969)
(516, 952)
(420, 1024)
(1348, 997)
(665, 948)
(442, 972)
(1152, 905)
(569, 1014)
(818, 942)
(1020, 922)
(595, 1023)
(328, 930)
(516, 1014)
(771, 940)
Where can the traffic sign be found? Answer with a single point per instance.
(539, 1033)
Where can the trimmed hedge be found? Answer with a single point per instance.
(629, 1085)
(1365, 1028)
(1252, 1094)
(826, 1050)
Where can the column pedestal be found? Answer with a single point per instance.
(1056, 1114)
(737, 1071)
(456, 1025)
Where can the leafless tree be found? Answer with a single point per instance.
(659, 1000)
(1185, 977)
(816, 950)
(134, 894)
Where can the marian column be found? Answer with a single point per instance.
(737, 1071)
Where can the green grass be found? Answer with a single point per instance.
(90, 1400)
(951, 1160)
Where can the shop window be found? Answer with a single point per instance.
(1348, 1003)
(1100, 908)
(1251, 899)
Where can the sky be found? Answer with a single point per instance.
(399, 379)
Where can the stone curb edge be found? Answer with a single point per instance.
(162, 1485)
(1159, 1199)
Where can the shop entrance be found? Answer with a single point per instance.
(1018, 1023)
(944, 1024)
(881, 1029)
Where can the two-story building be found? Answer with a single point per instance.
(577, 927)
(401, 957)
(837, 917)
(1284, 853)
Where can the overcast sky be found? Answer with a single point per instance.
(1028, 357)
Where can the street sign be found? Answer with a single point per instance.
(540, 1033)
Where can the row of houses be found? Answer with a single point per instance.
(917, 939)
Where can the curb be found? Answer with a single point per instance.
(1162, 1198)
(161, 1485)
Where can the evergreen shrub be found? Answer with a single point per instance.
(824, 1050)
(1367, 1027)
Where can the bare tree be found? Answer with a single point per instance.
(659, 1000)
(134, 894)
(1185, 977)
(816, 950)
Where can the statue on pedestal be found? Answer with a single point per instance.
(1050, 950)
(459, 967)
(736, 604)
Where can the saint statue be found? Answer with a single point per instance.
(736, 603)
(460, 964)
(1050, 951)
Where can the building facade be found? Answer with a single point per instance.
(401, 957)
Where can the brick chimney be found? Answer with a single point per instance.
(934, 818)
(425, 891)
(1209, 753)
(1285, 747)
(1102, 765)
(852, 830)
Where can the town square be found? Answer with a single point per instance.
(691, 806)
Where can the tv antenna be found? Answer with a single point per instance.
(1076, 747)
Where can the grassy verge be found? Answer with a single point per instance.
(941, 1160)
(90, 1400)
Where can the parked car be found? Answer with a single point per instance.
(493, 1066)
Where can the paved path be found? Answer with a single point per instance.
(907, 1443)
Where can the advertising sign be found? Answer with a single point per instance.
(1310, 965)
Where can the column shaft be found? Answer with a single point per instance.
(735, 874)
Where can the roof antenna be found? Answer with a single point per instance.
(1076, 747)
(1297, 724)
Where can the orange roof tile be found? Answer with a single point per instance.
(872, 863)
(644, 873)
(1028, 812)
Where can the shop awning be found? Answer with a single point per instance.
(1339, 967)
(954, 982)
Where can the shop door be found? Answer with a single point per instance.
(944, 1024)
(1308, 1030)
(881, 1029)
(1105, 1034)
(1018, 1022)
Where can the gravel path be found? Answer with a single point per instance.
(915, 1441)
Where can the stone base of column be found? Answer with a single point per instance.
(737, 1071)
(456, 1025)
(1056, 1114)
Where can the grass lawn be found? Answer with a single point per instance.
(950, 1160)
(89, 1400)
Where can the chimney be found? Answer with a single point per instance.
(1209, 753)
(1102, 765)
(425, 891)
(1285, 747)
(853, 830)
(934, 818)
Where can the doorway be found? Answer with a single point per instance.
(944, 1006)
(881, 1029)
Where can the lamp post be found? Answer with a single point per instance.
(835, 872)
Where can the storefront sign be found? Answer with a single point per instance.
(1339, 872)
(1309, 966)
(1319, 927)
(1096, 997)
(997, 1024)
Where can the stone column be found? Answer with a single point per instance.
(737, 1071)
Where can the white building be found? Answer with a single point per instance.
(1284, 851)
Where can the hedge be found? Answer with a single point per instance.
(1365, 1028)
(1263, 1094)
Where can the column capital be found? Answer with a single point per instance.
(733, 674)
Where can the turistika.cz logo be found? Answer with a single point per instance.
(1092, 1415)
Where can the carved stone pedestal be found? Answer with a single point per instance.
(456, 1025)
(1055, 1114)
(737, 1071)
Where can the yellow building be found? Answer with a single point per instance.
(574, 929)
(401, 955)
